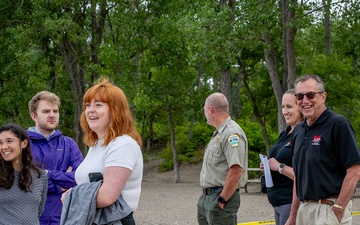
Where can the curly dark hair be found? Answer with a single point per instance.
(7, 171)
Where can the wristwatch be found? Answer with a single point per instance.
(222, 200)
(281, 167)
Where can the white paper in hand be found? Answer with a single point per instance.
(268, 178)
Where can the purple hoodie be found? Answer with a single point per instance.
(55, 155)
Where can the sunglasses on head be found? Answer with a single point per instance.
(309, 95)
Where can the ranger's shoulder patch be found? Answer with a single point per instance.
(234, 140)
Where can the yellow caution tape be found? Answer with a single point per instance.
(258, 222)
(353, 213)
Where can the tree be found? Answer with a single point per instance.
(77, 37)
(168, 56)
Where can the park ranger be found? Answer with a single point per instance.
(224, 161)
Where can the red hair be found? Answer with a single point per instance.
(121, 117)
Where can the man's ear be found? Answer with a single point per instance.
(324, 96)
(33, 116)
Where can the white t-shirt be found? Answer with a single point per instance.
(124, 152)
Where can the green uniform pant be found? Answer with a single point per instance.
(210, 213)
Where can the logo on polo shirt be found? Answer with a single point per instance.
(316, 140)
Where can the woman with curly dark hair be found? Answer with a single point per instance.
(23, 186)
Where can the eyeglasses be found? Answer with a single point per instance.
(310, 95)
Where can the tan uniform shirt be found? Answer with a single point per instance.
(228, 146)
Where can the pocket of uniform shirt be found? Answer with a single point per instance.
(213, 154)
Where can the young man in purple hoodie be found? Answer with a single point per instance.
(59, 155)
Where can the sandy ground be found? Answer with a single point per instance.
(164, 202)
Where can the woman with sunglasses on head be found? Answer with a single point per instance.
(23, 186)
(280, 161)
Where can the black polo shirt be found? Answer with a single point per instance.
(322, 152)
(282, 191)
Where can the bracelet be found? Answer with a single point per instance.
(339, 207)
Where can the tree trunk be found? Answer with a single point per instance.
(327, 23)
(191, 128)
(225, 86)
(284, 9)
(237, 98)
(173, 147)
(194, 102)
(150, 134)
(74, 70)
(97, 29)
(255, 108)
(290, 32)
(272, 65)
(225, 75)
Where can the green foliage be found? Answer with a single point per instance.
(192, 151)
(254, 135)
(200, 136)
(356, 126)
(166, 56)
(161, 135)
(253, 162)
(166, 165)
(188, 151)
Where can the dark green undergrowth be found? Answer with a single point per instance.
(192, 151)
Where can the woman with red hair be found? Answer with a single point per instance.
(115, 147)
